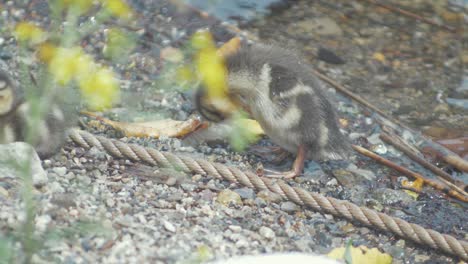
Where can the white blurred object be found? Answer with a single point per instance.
(280, 258)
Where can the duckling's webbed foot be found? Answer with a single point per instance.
(296, 169)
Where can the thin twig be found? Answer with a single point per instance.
(440, 151)
(409, 173)
(401, 145)
(411, 14)
(340, 88)
(453, 186)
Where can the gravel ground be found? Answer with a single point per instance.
(97, 209)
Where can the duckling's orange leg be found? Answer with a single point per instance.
(296, 169)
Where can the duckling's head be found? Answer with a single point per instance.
(7, 94)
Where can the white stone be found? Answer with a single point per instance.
(13, 158)
(42, 222)
(169, 226)
(266, 232)
(60, 171)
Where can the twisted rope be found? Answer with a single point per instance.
(312, 200)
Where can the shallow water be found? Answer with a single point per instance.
(234, 10)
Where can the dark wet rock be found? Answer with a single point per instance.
(443, 217)
(361, 173)
(397, 250)
(390, 197)
(404, 109)
(329, 56)
(353, 176)
(5, 55)
(356, 194)
(344, 177)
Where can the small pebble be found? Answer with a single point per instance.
(245, 193)
(289, 207)
(42, 222)
(266, 232)
(169, 226)
(3, 192)
(55, 187)
(379, 148)
(60, 171)
(227, 197)
(110, 202)
(269, 196)
(188, 187)
(73, 212)
(206, 210)
(235, 228)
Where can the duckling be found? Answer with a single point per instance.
(9, 101)
(14, 119)
(281, 93)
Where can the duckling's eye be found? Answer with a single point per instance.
(242, 97)
(205, 109)
(210, 113)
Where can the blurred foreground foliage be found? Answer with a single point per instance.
(53, 64)
(67, 63)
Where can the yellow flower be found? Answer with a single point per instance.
(68, 63)
(118, 8)
(210, 65)
(26, 31)
(360, 254)
(46, 51)
(100, 89)
(211, 68)
(202, 40)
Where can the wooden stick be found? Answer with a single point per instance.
(442, 153)
(411, 14)
(400, 145)
(453, 186)
(453, 160)
(409, 173)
